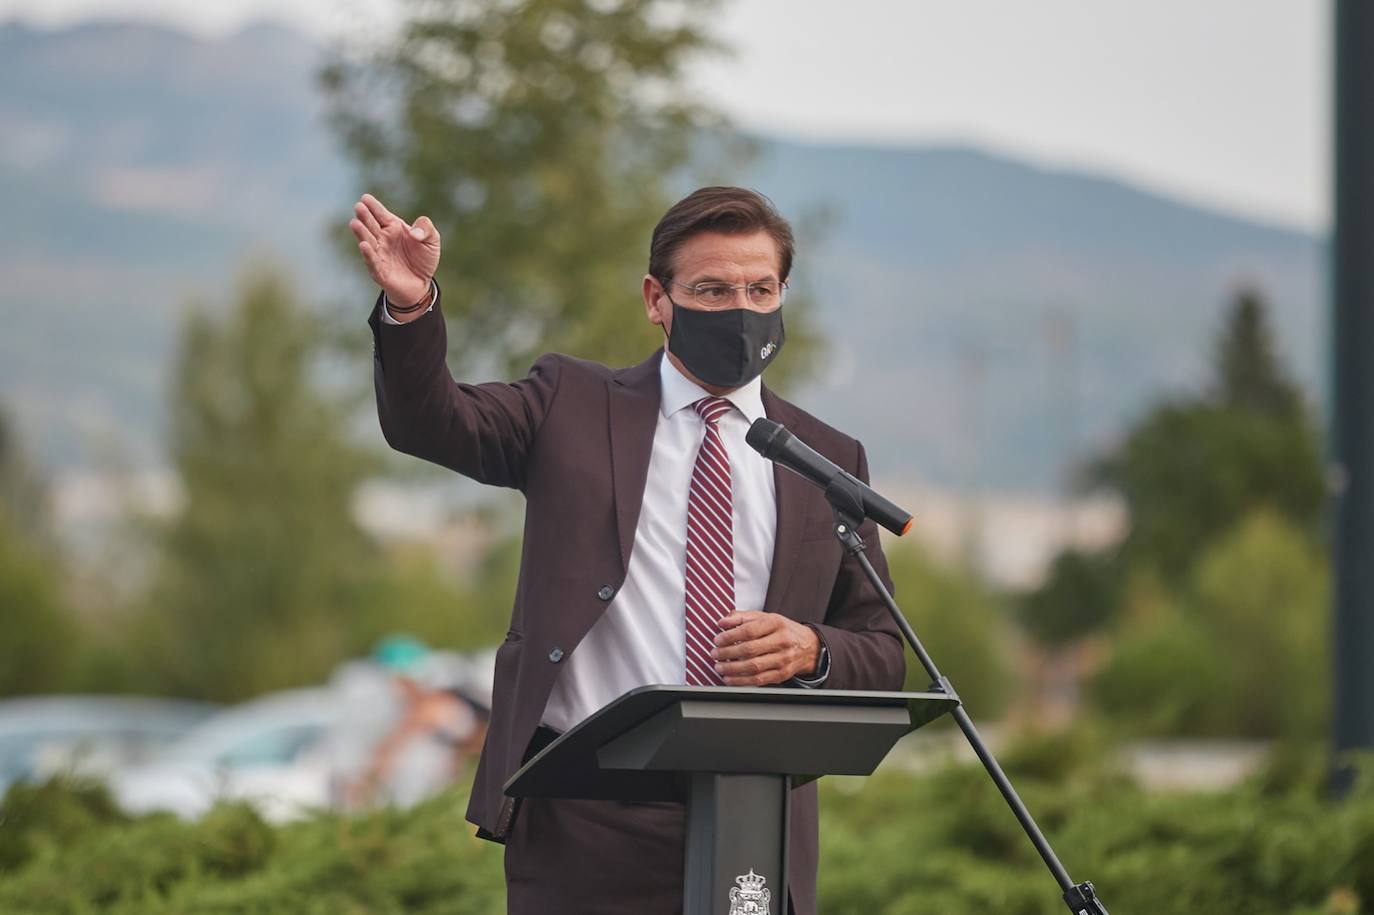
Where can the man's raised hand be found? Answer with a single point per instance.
(400, 258)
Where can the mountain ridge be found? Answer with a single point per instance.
(1017, 314)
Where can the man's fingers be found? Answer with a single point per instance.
(767, 671)
(383, 216)
(370, 259)
(737, 617)
(747, 667)
(755, 627)
(366, 218)
(360, 231)
(768, 644)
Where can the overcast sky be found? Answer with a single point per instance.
(1223, 102)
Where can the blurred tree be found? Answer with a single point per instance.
(1167, 673)
(544, 138)
(1191, 469)
(262, 568)
(960, 625)
(1265, 589)
(537, 135)
(39, 632)
(1078, 596)
(1239, 652)
(414, 594)
(1250, 377)
(23, 492)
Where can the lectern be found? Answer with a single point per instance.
(732, 754)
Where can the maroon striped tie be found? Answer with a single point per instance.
(710, 546)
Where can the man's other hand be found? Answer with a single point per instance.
(400, 258)
(761, 649)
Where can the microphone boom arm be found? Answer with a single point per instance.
(847, 503)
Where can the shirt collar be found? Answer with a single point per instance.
(679, 392)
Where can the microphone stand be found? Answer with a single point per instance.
(846, 500)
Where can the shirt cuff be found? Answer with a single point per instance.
(386, 312)
(818, 679)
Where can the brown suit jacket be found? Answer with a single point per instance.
(575, 438)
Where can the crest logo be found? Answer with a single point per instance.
(749, 896)
(767, 349)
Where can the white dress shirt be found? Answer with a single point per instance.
(640, 639)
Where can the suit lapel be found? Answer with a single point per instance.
(634, 402)
(790, 490)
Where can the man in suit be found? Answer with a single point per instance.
(658, 547)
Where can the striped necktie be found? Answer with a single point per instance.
(710, 546)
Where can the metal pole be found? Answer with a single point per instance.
(1352, 428)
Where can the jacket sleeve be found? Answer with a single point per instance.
(866, 649)
(483, 431)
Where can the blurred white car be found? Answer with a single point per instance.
(293, 752)
(273, 752)
(91, 736)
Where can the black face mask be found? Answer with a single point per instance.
(728, 348)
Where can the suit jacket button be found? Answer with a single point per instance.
(606, 592)
(556, 655)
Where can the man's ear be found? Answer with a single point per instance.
(656, 304)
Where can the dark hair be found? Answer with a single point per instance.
(731, 210)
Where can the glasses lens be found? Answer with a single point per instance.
(767, 293)
(713, 295)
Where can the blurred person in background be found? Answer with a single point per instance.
(438, 731)
(659, 548)
(412, 726)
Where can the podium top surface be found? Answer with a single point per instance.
(572, 766)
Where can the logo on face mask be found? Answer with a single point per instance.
(767, 350)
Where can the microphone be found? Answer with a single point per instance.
(773, 441)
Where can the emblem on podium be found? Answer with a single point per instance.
(749, 896)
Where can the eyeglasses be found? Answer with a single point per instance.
(762, 294)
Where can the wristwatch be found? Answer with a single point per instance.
(822, 672)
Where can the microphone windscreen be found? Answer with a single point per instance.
(764, 435)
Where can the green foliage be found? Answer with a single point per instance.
(1267, 591)
(959, 623)
(899, 842)
(1079, 594)
(80, 855)
(1166, 674)
(23, 493)
(545, 139)
(262, 569)
(1191, 469)
(540, 136)
(413, 595)
(262, 579)
(38, 629)
(1217, 598)
(46, 817)
(946, 843)
(1241, 651)
(1249, 376)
